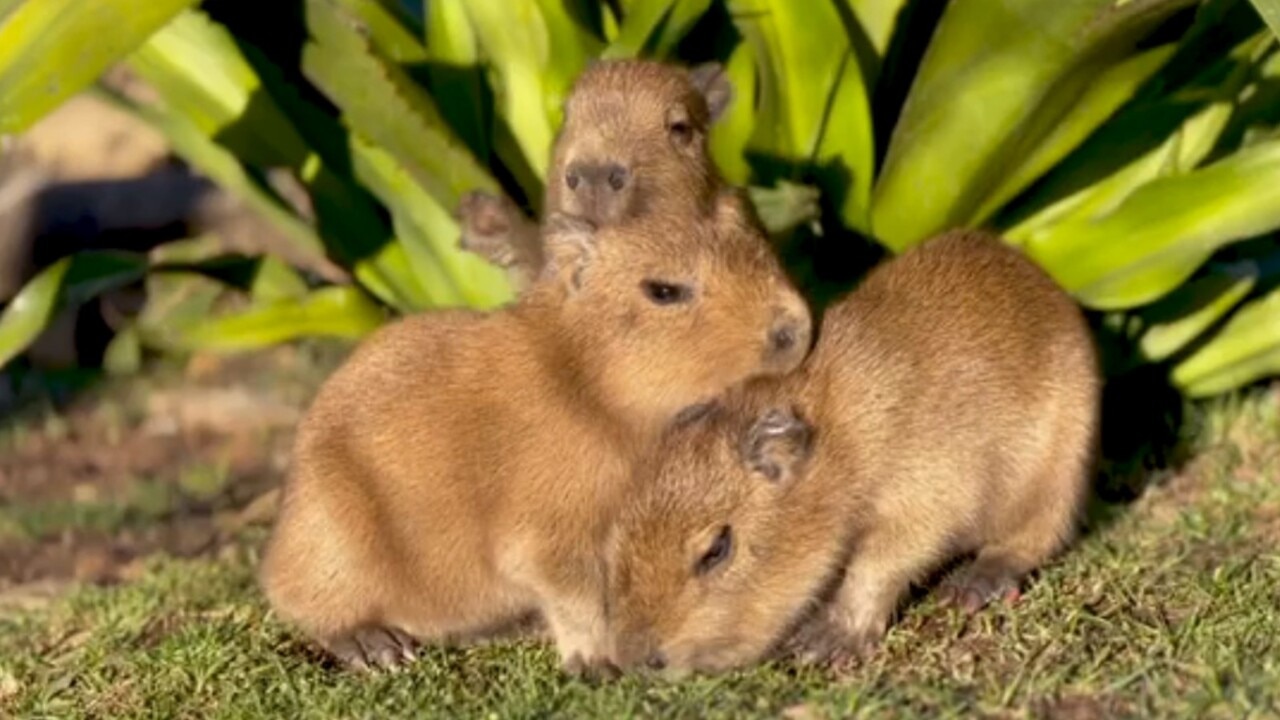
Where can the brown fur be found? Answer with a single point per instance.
(645, 119)
(949, 406)
(457, 473)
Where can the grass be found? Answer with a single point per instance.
(1168, 607)
(146, 501)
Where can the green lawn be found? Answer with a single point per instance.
(1169, 607)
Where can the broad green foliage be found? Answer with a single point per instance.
(51, 49)
(1270, 11)
(1131, 147)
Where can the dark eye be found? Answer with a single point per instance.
(719, 551)
(681, 132)
(662, 293)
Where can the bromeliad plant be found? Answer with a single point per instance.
(1128, 146)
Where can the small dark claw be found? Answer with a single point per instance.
(593, 671)
(601, 670)
(369, 649)
(348, 653)
(974, 588)
(574, 666)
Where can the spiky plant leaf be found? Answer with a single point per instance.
(379, 101)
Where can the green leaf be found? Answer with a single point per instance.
(642, 19)
(813, 104)
(176, 301)
(1114, 87)
(1182, 149)
(1186, 313)
(653, 28)
(997, 77)
(388, 33)
(1162, 232)
(207, 82)
(679, 22)
(66, 283)
(342, 312)
(275, 281)
(574, 46)
(515, 41)
(429, 235)
(198, 70)
(456, 80)
(728, 138)
(1247, 349)
(848, 142)
(1168, 134)
(785, 206)
(52, 49)
(123, 355)
(449, 35)
(1270, 12)
(383, 104)
(7, 7)
(878, 19)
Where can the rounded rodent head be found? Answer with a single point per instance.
(724, 545)
(634, 136)
(660, 313)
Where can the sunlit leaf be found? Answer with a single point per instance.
(1160, 234)
(52, 49)
(997, 77)
(1270, 12)
(389, 34)
(731, 133)
(1167, 134)
(383, 104)
(1247, 349)
(1188, 312)
(341, 312)
(653, 27)
(642, 19)
(813, 106)
(1108, 92)
(878, 19)
(456, 79)
(276, 282)
(123, 355)
(68, 282)
(429, 235)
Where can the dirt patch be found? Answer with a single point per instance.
(176, 463)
